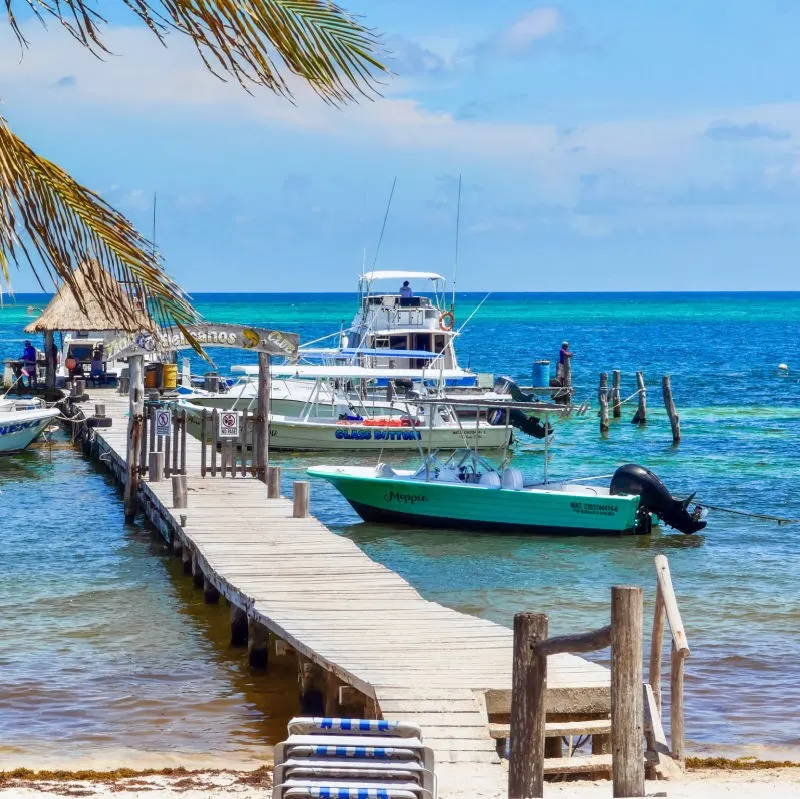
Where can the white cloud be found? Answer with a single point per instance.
(530, 27)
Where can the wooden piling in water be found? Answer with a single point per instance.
(640, 417)
(257, 645)
(674, 419)
(210, 593)
(197, 572)
(615, 394)
(627, 704)
(529, 686)
(239, 626)
(602, 396)
(186, 559)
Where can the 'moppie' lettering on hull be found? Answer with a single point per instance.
(404, 499)
(595, 508)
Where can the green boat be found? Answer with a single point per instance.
(466, 491)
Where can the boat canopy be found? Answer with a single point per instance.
(399, 274)
(351, 372)
(382, 352)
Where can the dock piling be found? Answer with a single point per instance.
(602, 396)
(274, 482)
(627, 705)
(210, 593)
(674, 419)
(180, 498)
(640, 417)
(135, 423)
(528, 686)
(186, 559)
(155, 467)
(238, 626)
(197, 571)
(302, 491)
(615, 394)
(257, 645)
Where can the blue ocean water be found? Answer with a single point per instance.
(75, 627)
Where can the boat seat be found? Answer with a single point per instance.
(490, 480)
(384, 470)
(448, 476)
(512, 479)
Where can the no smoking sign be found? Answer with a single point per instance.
(229, 425)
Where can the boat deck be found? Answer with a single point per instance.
(321, 594)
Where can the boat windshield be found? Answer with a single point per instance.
(463, 464)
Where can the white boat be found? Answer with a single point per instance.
(408, 429)
(391, 331)
(19, 428)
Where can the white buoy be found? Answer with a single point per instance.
(783, 367)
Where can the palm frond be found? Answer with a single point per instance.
(44, 212)
(254, 41)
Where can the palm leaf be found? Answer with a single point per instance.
(253, 41)
(46, 213)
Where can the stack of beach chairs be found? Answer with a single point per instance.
(326, 758)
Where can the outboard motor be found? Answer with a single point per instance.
(655, 498)
(531, 425)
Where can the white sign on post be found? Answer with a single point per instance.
(229, 425)
(163, 422)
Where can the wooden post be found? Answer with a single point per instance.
(180, 493)
(210, 593)
(168, 453)
(238, 626)
(567, 372)
(615, 394)
(99, 410)
(49, 361)
(676, 704)
(227, 457)
(302, 490)
(274, 482)
(155, 467)
(261, 420)
(186, 559)
(602, 396)
(183, 442)
(257, 645)
(135, 414)
(197, 571)
(640, 417)
(627, 706)
(528, 689)
(203, 441)
(214, 429)
(674, 419)
(656, 644)
(176, 442)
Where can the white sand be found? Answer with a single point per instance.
(456, 783)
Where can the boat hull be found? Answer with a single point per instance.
(19, 429)
(472, 507)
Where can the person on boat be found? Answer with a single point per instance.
(29, 363)
(563, 358)
(406, 290)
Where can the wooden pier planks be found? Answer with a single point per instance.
(320, 593)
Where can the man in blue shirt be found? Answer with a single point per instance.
(406, 290)
(563, 358)
(29, 363)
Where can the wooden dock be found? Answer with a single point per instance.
(341, 612)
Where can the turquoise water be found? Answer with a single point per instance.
(114, 649)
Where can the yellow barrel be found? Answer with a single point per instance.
(150, 377)
(170, 375)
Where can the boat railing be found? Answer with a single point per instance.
(667, 607)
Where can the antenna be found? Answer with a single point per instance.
(383, 226)
(458, 224)
(155, 203)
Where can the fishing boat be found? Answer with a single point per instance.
(348, 428)
(466, 491)
(20, 427)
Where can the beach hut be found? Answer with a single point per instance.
(105, 305)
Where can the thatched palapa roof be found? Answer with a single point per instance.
(106, 305)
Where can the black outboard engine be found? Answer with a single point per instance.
(531, 425)
(655, 498)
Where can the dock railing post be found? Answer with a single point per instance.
(156, 467)
(261, 421)
(528, 690)
(627, 704)
(674, 419)
(50, 358)
(602, 396)
(135, 421)
(274, 482)
(302, 490)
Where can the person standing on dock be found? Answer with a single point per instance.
(563, 358)
(29, 363)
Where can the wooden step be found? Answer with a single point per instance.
(590, 764)
(559, 729)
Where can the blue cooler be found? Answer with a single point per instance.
(540, 374)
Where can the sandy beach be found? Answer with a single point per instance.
(455, 783)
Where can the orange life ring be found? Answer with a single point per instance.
(446, 321)
(70, 363)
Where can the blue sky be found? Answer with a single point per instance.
(617, 146)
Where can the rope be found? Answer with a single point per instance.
(779, 519)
